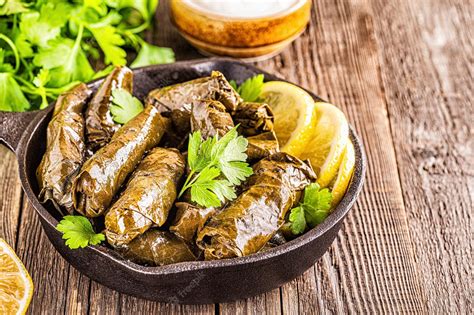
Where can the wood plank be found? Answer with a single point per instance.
(427, 62)
(47, 268)
(371, 267)
(103, 300)
(10, 196)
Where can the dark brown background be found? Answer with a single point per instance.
(402, 71)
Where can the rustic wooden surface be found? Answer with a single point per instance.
(403, 73)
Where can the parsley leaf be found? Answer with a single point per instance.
(110, 41)
(313, 210)
(150, 55)
(78, 232)
(250, 89)
(230, 162)
(8, 7)
(217, 165)
(124, 106)
(11, 96)
(298, 220)
(66, 61)
(37, 29)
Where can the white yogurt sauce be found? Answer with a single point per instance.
(245, 8)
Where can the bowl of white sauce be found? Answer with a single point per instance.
(246, 29)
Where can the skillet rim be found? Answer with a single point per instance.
(333, 219)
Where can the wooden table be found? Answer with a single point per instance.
(402, 71)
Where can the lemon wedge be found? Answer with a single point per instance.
(294, 113)
(344, 175)
(16, 287)
(327, 143)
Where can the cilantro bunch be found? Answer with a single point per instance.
(48, 46)
(216, 166)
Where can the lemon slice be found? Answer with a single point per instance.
(16, 287)
(293, 109)
(344, 174)
(327, 143)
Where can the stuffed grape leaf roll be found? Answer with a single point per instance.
(102, 175)
(65, 148)
(211, 118)
(253, 118)
(100, 126)
(157, 248)
(250, 221)
(190, 219)
(147, 198)
(176, 101)
(261, 146)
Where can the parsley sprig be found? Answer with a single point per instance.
(250, 89)
(124, 106)
(312, 211)
(78, 232)
(216, 165)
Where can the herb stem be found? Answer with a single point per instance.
(14, 49)
(187, 183)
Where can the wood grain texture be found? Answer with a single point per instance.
(428, 57)
(371, 267)
(402, 72)
(10, 196)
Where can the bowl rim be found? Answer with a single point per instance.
(334, 218)
(225, 18)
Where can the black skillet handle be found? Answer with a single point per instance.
(12, 126)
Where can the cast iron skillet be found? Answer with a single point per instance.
(187, 282)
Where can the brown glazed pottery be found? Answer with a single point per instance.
(237, 36)
(187, 282)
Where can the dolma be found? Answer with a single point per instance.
(102, 175)
(100, 126)
(190, 219)
(148, 197)
(250, 221)
(176, 101)
(157, 248)
(211, 118)
(65, 148)
(261, 146)
(253, 118)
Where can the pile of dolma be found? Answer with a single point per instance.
(127, 177)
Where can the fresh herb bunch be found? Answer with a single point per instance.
(250, 89)
(314, 208)
(216, 166)
(47, 46)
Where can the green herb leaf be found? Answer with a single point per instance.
(150, 55)
(298, 220)
(78, 232)
(8, 7)
(315, 208)
(37, 29)
(66, 62)
(250, 89)
(230, 162)
(124, 106)
(202, 189)
(11, 96)
(210, 162)
(110, 41)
